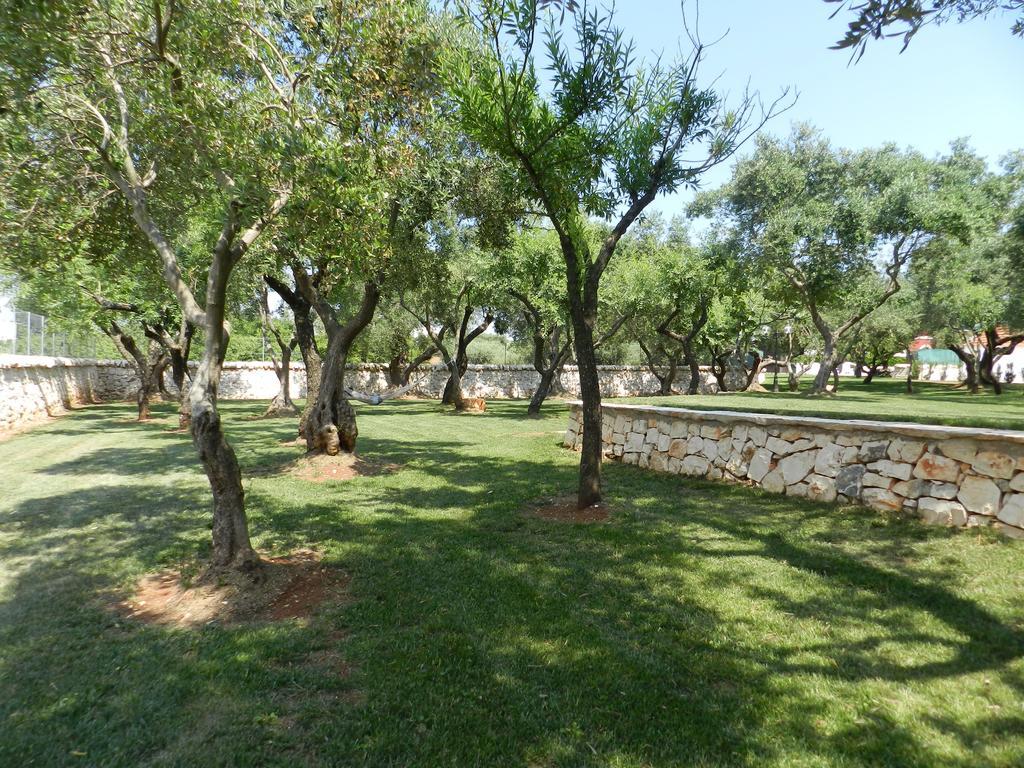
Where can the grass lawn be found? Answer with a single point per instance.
(882, 399)
(703, 625)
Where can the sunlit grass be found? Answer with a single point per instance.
(703, 625)
(882, 399)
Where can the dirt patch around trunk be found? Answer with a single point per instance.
(563, 509)
(322, 468)
(291, 587)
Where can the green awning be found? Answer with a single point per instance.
(937, 357)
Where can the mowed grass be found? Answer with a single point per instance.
(882, 400)
(703, 625)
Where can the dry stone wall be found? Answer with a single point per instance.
(32, 388)
(946, 475)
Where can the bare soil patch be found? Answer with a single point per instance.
(322, 468)
(290, 587)
(563, 509)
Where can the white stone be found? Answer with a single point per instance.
(663, 442)
(780, 447)
(941, 511)
(905, 450)
(993, 464)
(797, 489)
(713, 431)
(760, 465)
(821, 488)
(678, 429)
(694, 444)
(796, 467)
(882, 500)
(931, 466)
(1012, 511)
(959, 449)
(694, 465)
(892, 469)
(757, 436)
(773, 482)
(740, 433)
(872, 480)
(1017, 484)
(979, 494)
(829, 460)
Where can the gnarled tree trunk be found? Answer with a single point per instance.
(462, 355)
(331, 414)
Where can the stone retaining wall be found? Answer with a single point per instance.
(946, 475)
(33, 387)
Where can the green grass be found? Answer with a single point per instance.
(883, 399)
(704, 625)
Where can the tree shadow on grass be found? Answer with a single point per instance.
(484, 636)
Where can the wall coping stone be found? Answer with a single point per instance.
(912, 429)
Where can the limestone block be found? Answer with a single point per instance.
(796, 466)
(994, 464)
(737, 465)
(634, 442)
(760, 464)
(659, 462)
(695, 444)
(617, 450)
(821, 488)
(677, 448)
(570, 438)
(821, 439)
(872, 480)
(694, 465)
(874, 450)
(758, 436)
(850, 454)
(652, 435)
(979, 495)
(619, 438)
(850, 480)
(905, 450)
(931, 466)
(941, 511)
(979, 521)
(740, 433)
(644, 461)
(849, 440)
(1017, 484)
(882, 500)
(714, 431)
(1010, 530)
(802, 445)
(829, 460)
(773, 482)
(673, 465)
(959, 449)
(1012, 511)
(630, 458)
(663, 442)
(715, 474)
(791, 434)
(710, 449)
(894, 469)
(779, 447)
(678, 429)
(797, 489)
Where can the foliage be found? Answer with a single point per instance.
(873, 18)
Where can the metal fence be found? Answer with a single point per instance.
(26, 333)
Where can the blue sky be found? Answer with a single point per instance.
(954, 80)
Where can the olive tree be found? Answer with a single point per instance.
(597, 135)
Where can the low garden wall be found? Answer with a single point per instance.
(946, 475)
(33, 387)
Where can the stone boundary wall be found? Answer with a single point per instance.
(953, 476)
(34, 387)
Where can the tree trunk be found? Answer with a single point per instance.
(331, 414)
(540, 394)
(231, 545)
(462, 356)
(670, 377)
(691, 361)
(282, 404)
(828, 363)
(870, 375)
(589, 491)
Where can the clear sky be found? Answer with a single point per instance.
(954, 80)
